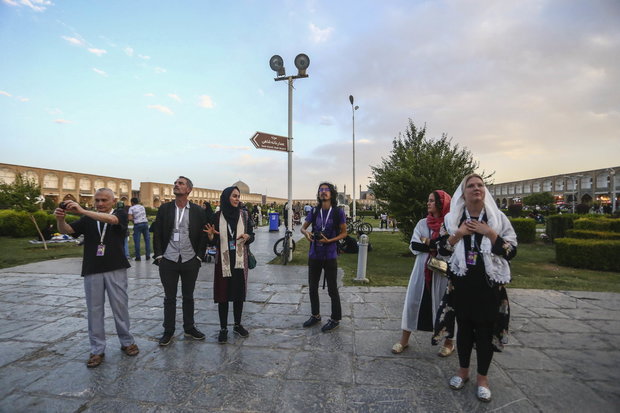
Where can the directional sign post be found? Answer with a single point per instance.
(263, 140)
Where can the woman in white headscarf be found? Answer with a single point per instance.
(479, 240)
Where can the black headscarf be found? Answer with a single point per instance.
(230, 212)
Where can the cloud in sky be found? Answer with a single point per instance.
(22, 99)
(150, 95)
(162, 109)
(160, 70)
(174, 97)
(128, 51)
(36, 5)
(205, 101)
(76, 41)
(318, 35)
(98, 52)
(100, 72)
(62, 121)
(2, 92)
(143, 57)
(53, 111)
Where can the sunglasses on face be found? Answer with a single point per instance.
(323, 189)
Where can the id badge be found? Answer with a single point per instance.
(471, 257)
(100, 250)
(232, 245)
(176, 236)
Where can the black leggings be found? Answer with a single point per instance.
(482, 334)
(222, 309)
(330, 267)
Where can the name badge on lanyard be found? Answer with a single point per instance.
(232, 243)
(176, 235)
(472, 254)
(101, 246)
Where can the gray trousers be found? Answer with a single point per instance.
(95, 287)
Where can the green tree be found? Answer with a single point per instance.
(417, 166)
(541, 199)
(22, 195)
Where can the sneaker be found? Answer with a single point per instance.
(165, 339)
(238, 329)
(330, 325)
(195, 334)
(138, 259)
(148, 258)
(312, 321)
(223, 336)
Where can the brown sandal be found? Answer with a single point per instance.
(131, 350)
(95, 360)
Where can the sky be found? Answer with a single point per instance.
(150, 90)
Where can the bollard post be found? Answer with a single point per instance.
(362, 256)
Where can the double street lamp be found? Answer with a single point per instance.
(353, 109)
(276, 63)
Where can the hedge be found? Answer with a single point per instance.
(558, 224)
(18, 223)
(588, 253)
(600, 224)
(588, 234)
(525, 229)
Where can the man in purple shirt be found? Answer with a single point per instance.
(328, 227)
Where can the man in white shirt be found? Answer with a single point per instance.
(137, 214)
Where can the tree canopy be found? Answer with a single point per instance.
(540, 199)
(20, 195)
(416, 166)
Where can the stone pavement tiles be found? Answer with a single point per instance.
(563, 355)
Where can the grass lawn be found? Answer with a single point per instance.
(390, 264)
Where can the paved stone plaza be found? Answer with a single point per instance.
(563, 355)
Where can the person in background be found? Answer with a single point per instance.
(480, 241)
(137, 214)
(426, 288)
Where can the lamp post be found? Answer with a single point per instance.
(276, 63)
(353, 109)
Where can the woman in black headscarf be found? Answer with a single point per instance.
(231, 232)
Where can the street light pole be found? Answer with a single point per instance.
(612, 189)
(353, 109)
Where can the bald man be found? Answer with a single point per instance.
(104, 268)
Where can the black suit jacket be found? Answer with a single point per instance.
(164, 224)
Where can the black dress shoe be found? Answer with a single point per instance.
(195, 334)
(165, 339)
(330, 326)
(312, 321)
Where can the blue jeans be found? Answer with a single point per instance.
(138, 229)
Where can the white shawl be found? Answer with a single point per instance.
(497, 268)
(224, 254)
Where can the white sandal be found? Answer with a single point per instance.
(399, 348)
(457, 383)
(483, 394)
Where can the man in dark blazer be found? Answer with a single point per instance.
(179, 245)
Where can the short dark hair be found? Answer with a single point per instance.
(189, 181)
(135, 201)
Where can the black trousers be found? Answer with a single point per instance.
(222, 309)
(169, 273)
(315, 267)
(482, 334)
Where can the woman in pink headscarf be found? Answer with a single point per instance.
(426, 287)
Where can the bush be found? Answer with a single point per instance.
(514, 210)
(18, 223)
(558, 224)
(588, 253)
(599, 224)
(588, 234)
(150, 212)
(525, 229)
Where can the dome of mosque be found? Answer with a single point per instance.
(243, 187)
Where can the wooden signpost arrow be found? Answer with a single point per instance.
(263, 140)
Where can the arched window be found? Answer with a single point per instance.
(99, 184)
(166, 190)
(68, 182)
(124, 188)
(112, 185)
(536, 187)
(50, 181)
(7, 176)
(586, 182)
(155, 191)
(602, 180)
(85, 184)
(31, 176)
(547, 185)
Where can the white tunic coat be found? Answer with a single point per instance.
(415, 289)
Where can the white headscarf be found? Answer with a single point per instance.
(497, 268)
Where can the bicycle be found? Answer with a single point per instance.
(358, 226)
(281, 247)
